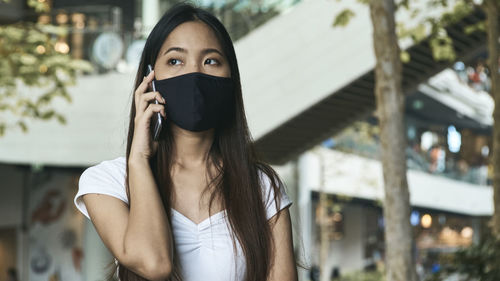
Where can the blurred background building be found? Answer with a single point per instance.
(308, 91)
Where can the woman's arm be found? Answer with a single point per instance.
(284, 268)
(148, 230)
(139, 238)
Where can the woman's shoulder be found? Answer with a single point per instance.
(112, 170)
(273, 202)
(108, 164)
(106, 177)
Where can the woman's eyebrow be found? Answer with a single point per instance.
(182, 50)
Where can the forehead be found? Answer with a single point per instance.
(193, 36)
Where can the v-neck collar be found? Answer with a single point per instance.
(202, 223)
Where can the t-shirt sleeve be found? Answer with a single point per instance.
(269, 197)
(103, 178)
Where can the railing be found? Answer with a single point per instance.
(363, 140)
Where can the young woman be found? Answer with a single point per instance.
(197, 204)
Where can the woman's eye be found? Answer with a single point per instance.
(173, 61)
(216, 61)
(170, 60)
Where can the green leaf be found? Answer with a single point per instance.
(442, 48)
(480, 26)
(343, 18)
(61, 118)
(28, 59)
(65, 95)
(39, 7)
(23, 126)
(81, 65)
(47, 114)
(52, 29)
(403, 4)
(405, 56)
(44, 99)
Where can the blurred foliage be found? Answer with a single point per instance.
(434, 27)
(29, 57)
(361, 138)
(39, 6)
(429, 26)
(479, 261)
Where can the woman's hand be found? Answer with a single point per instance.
(143, 145)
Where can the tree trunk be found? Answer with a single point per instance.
(491, 9)
(390, 112)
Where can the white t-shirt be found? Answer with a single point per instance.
(205, 249)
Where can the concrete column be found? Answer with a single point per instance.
(308, 176)
(23, 242)
(476, 226)
(150, 15)
(22, 254)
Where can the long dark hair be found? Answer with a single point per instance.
(238, 181)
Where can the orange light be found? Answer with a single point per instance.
(467, 232)
(43, 68)
(61, 47)
(426, 221)
(40, 49)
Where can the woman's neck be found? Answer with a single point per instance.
(190, 149)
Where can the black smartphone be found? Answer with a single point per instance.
(157, 120)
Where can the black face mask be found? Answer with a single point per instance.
(197, 101)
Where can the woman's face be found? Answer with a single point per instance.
(191, 47)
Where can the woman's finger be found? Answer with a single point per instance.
(153, 108)
(143, 86)
(147, 98)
